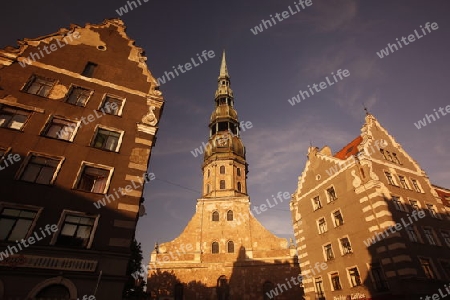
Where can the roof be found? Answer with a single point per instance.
(443, 193)
(350, 149)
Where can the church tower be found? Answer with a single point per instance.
(224, 252)
(224, 167)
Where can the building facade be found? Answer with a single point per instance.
(78, 117)
(372, 221)
(224, 252)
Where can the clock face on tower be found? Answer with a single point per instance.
(222, 140)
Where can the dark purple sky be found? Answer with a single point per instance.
(266, 70)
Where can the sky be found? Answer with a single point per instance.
(267, 69)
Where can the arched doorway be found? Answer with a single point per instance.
(56, 287)
(223, 288)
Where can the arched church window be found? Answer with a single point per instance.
(209, 173)
(222, 184)
(238, 171)
(230, 215)
(215, 247)
(222, 169)
(207, 188)
(230, 247)
(215, 216)
(239, 186)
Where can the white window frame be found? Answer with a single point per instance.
(38, 210)
(350, 278)
(325, 252)
(69, 91)
(28, 158)
(81, 214)
(419, 207)
(331, 281)
(119, 109)
(341, 247)
(414, 229)
(329, 200)
(434, 207)
(334, 218)
(325, 225)
(314, 203)
(393, 183)
(112, 129)
(93, 165)
(50, 119)
(446, 239)
(418, 185)
(404, 183)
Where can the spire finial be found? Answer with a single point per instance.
(365, 108)
(223, 67)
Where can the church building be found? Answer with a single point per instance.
(224, 252)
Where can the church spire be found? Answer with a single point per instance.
(223, 68)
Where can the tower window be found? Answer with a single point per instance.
(209, 173)
(223, 126)
(239, 187)
(230, 247)
(207, 188)
(222, 184)
(222, 169)
(215, 247)
(215, 216)
(238, 171)
(230, 215)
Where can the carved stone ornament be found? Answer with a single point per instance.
(150, 118)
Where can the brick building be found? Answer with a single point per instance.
(371, 215)
(224, 252)
(78, 117)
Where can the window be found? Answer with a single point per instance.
(94, 180)
(338, 220)
(230, 247)
(215, 216)
(209, 173)
(39, 86)
(230, 215)
(414, 204)
(40, 169)
(76, 230)
(398, 203)
(12, 117)
(215, 247)
(78, 96)
(396, 158)
(238, 171)
(384, 154)
(427, 268)
(432, 210)
(378, 277)
(331, 194)
(412, 234)
(207, 188)
(89, 69)
(335, 282)
(416, 186)
(446, 237)
(355, 279)
(329, 255)
(318, 284)
(222, 169)
(112, 105)
(403, 182)
(429, 235)
(446, 266)
(345, 245)
(389, 157)
(322, 225)
(239, 187)
(59, 128)
(222, 184)
(15, 223)
(389, 178)
(107, 139)
(316, 203)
